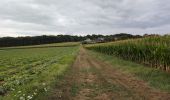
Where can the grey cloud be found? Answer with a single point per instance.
(74, 16)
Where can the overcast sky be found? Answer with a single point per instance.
(37, 17)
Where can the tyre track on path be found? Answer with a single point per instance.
(92, 79)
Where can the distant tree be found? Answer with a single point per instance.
(44, 39)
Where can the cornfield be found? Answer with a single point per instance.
(151, 51)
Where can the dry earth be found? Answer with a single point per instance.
(92, 79)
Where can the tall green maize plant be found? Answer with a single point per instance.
(151, 51)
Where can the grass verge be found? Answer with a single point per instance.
(155, 78)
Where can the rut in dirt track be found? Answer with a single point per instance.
(92, 79)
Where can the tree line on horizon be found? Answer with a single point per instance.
(44, 39)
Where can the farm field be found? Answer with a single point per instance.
(85, 50)
(67, 44)
(151, 51)
(72, 72)
(27, 73)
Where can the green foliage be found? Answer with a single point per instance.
(152, 51)
(74, 89)
(27, 73)
(66, 44)
(44, 39)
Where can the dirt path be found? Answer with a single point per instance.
(91, 79)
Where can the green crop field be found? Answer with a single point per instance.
(151, 51)
(67, 44)
(28, 73)
(47, 71)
